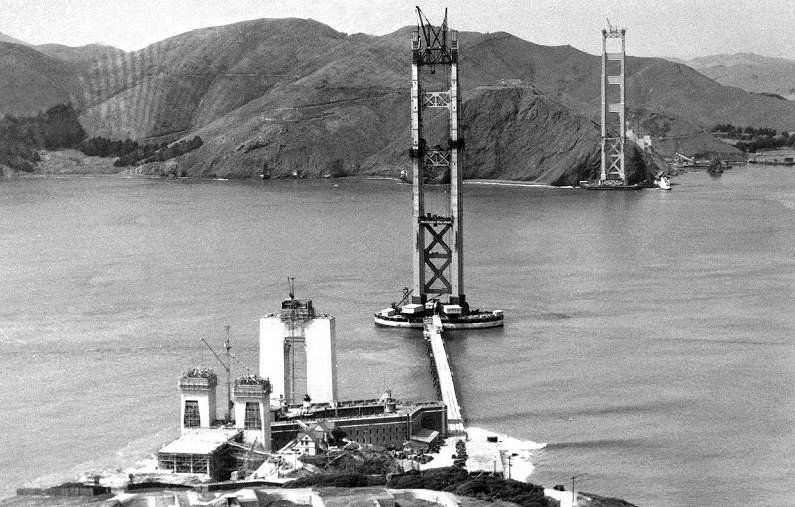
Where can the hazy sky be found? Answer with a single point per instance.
(681, 28)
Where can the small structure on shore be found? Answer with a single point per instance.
(201, 452)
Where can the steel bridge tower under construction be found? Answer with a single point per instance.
(613, 109)
(437, 218)
(439, 238)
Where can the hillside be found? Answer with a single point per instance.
(87, 55)
(212, 71)
(208, 72)
(681, 92)
(35, 78)
(276, 95)
(750, 72)
(517, 133)
(658, 91)
(12, 40)
(31, 81)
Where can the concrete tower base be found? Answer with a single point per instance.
(411, 317)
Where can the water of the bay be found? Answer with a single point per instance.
(649, 336)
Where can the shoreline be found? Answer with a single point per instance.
(127, 175)
(514, 183)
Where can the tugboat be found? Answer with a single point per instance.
(715, 168)
(662, 181)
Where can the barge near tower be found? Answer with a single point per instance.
(438, 252)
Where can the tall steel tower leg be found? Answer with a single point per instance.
(456, 181)
(613, 113)
(417, 159)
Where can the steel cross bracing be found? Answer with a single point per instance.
(613, 113)
(438, 283)
(437, 158)
(614, 150)
(438, 243)
(436, 99)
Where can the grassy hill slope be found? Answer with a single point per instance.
(31, 81)
(90, 54)
(750, 72)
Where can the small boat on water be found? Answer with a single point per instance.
(716, 168)
(663, 183)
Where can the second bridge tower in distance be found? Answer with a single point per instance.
(612, 173)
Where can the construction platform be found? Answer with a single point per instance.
(604, 185)
(453, 317)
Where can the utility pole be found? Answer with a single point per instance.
(509, 463)
(573, 497)
(573, 494)
(228, 347)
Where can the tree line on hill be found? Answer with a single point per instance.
(451, 479)
(130, 152)
(20, 137)
(59, 127)
(755, 139)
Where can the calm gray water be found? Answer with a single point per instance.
(649, 339)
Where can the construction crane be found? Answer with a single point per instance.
(227, 366)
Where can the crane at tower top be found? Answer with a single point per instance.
(436, 49)
(613, 31)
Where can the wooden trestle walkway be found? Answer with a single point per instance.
(443, 376)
